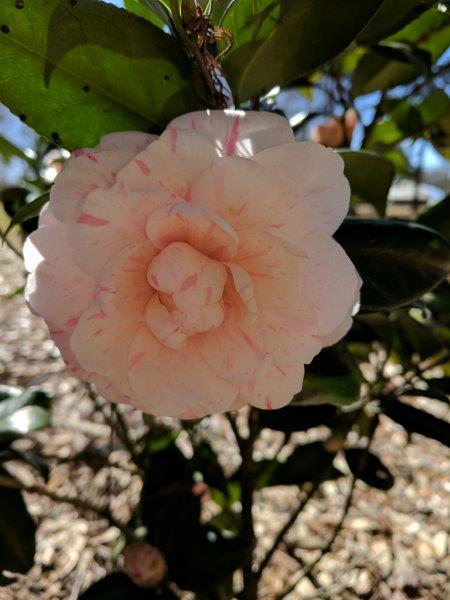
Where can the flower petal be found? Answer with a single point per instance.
(237, 349)
(169, 382)
(111, 220)
(317, 179)
(235, 132)
(274, 389)
(195, 225)
(124, 290)
(57, 290)
(134, 141)
(83, 173)
(331, 282)
(101, 343)
(171, 163)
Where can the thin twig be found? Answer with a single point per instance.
(247, 491)
(75, 501)
(286, 527)
(348, 502)
(10, 245)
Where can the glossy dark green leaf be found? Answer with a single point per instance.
(332, 378)
(13, 399)
(294, 418)
(276, 42)
(370, 176)
(429, 32)
(438, 217)
(198, 557)
(414, 338)
(152, 10)
(308, 462)
(389, 65)
(28, 211)
(398, 261)
(415, 420)
(17, 531)
(24, 421)
(90, 68)
(369, 468)
(392, 16)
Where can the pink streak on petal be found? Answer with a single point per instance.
(92, 158)
(189, 282)
(72, 321)
(155, 279)
(193, 123)
(97, 332)
(143, 167)
(78, 152)
(250, 342)
(280, 370)
(268, 403)
(136, 359)
(88, 219)
(208, 295)
(233, 138)
(98, 315)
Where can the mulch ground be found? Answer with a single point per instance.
(393, 545)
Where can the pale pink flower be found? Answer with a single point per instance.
(336, 131)
(195, 272)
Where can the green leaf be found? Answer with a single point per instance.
(152, 10)
(276, 42)
(388, 65)
(392, 16)
(89, 68)
(414, 338)
(219, 10)
(415, 420)
(429, 32)
(438, 217)
(8, 150)
(28, 211)
(308, 462)
(24, 421)
(13, 399)
(369, 468)
(370, 176)
(17, 531)
(398, 261)
(294, 418)
(332, 378)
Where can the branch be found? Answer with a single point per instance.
(11, 246)
(348, 502)
(75, 501)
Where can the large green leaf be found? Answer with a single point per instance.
(392, 16)
(17, 531)
(278, 41)
(438, 217)
(332, 378)
(295, 417)
(23, 413)
(308, 462)
(28, 211)
(369, 468)
(397, 261)
(415, 420)
(414, 338)
(388, 65)
(77, 70)
(370, 176)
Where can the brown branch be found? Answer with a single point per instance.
(75, 501)
(286, 527)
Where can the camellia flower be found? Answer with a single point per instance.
(195, 272)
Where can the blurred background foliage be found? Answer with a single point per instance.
(370, 79)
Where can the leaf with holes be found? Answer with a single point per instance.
(77, 70)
